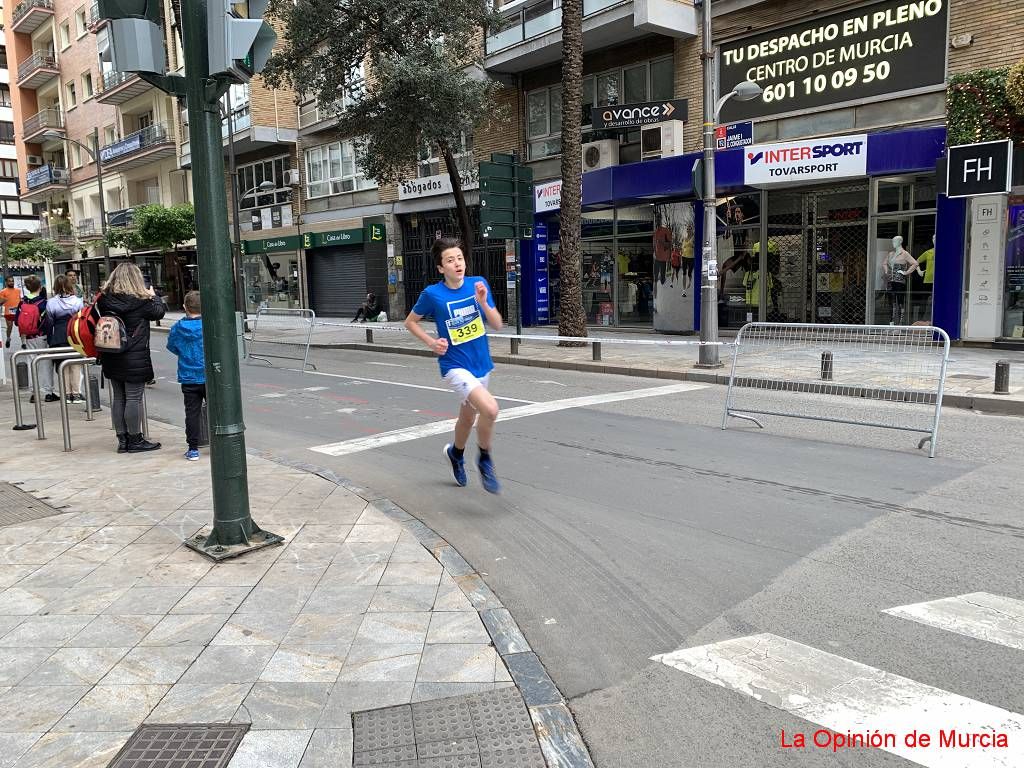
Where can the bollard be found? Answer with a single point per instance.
(1002, 378)
(596, 349)
(514, 346)
(826, 366)
(94, 392)
(369, 336)
(204, 426)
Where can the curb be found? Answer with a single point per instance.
(553, 723)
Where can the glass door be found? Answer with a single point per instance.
(902, 290)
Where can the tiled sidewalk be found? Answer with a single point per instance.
(108, 621)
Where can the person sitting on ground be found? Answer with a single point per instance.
(186, 341)
(126, 296)
(59, 309)
(369, 310)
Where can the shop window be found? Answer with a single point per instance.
(251, 176)
(7, 137)
(331, 169)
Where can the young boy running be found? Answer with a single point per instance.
(459, 305)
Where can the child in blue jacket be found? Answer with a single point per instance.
(186, 341)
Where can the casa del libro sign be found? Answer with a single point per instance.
(862, 53)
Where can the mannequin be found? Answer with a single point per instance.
(927, 262)
(897, 265)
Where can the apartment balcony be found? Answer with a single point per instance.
(60, 231)
(50, 119)
(37, 70)
(531, 34)
(124, 218)
(95, 22)
(151, 144)
(314, 119)
(87, 229)
(119, 87)
(249, 136)
(30, 15)
(44, 182)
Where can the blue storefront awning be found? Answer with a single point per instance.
(912, 150)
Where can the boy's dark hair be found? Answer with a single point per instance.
(442, 244)
(33, 283)
(192, 303)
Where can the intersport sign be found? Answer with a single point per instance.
(835, 157)
(635, 115)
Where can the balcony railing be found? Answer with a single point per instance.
(87, 228)
(59, 232)
(23, 9)
(114, 78)
(46, 175)
(121, 218)
(42, 120)
(531, 19)
(94, 16)
(38, 60)
(140, 141)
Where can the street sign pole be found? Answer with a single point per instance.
(233, 532)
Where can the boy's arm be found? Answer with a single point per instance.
(490, 312)
(172, 340)
(412, 323)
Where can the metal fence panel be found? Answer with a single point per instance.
(282, 334)
(884, 376)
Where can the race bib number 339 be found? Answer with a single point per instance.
(463, 329)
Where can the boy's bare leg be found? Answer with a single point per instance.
(487, 411)
(464, 425)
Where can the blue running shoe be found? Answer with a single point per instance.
(458, 466)
(487, 476)
(192, 454)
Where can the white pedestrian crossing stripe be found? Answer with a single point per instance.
(851, 698)
(993, 618)
(406, 434)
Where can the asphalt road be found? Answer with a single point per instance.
(637, 527)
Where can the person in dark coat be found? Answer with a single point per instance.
(126, 296)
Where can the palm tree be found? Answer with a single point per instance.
(572, 320)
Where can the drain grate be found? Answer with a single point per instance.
(18, 506)
(482, 730)
(178, 746)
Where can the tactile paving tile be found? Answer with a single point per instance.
(447, 747)
(380, 728)
(442, 719)
(451, 761)
(18, 506)
(523, 759)
(195, 746)
(386, 756)
(499, 711)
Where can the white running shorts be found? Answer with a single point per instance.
(464, 382)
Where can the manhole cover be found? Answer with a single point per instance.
(180, 746)
(17, 506)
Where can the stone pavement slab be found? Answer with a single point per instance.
(107, 621)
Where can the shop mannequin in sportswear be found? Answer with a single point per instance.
(897, 265)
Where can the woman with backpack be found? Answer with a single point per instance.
(59, 309)
(126, 299)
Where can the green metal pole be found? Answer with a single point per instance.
(232, 523)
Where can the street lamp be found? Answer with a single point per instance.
(745, 91)
(94, 154)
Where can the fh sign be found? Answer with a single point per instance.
(979, 169)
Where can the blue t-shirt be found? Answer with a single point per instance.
(458, 316)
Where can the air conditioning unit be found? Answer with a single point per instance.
(61, 174)
(600, 154)
(291, 177)
(34, 160)
(661, 140)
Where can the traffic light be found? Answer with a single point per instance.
(240, 42)
(135, 37)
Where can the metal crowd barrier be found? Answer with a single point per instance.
(288, 334)
(19, 423)
(65, 422)
(884, 376)
(46, 358)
